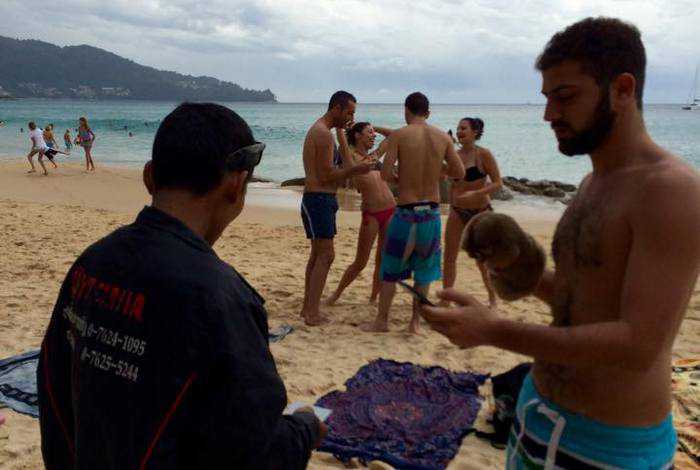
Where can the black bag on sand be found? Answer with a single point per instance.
(506, 388)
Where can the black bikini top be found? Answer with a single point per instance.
(473, 173)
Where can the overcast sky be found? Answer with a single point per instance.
(475, 51)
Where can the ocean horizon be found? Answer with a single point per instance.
(516, 134)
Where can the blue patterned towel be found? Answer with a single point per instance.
(403, 414)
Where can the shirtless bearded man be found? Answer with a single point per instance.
(412, 246)
(626, 255)
(319, 204)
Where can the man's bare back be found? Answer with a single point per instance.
(420, 150)
(593, 250)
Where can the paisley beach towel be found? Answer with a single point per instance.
(403, 414)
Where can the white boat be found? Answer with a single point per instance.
(693, 100)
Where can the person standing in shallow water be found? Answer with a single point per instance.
(86, 138)
(319, 204)
(627, 257)
(469, 196)
(67, 140)
(378, 202)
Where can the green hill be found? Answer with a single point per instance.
(36, 69)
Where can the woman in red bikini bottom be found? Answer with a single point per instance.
(469, 196)
(378, 203)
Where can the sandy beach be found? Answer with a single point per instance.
(47, 221)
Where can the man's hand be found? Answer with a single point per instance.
(362, 168)
(469, 198)
(322, 428)
(466, 326)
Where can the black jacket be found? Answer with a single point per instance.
(156, 357)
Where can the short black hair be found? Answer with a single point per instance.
(341, 98)
(358, 127)
(605, 47)
(477, 125)
(31, 125)
(417, 103)
(191, 145)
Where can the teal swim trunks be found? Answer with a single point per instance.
(556, 438)
(413, 244)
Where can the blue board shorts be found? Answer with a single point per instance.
(318, 215)
(413, 244)
(563, 439)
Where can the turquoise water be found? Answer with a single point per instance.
(522, 143)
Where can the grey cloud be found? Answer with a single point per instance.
(473, 50)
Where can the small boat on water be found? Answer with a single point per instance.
(693, 100)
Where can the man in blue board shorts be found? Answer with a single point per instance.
(627, 256)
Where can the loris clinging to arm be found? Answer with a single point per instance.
(514, 259)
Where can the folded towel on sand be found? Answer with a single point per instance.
(279, 333)
(18, 383)
(403, 414)
(18, 377)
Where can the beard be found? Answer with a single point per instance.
(587, 140)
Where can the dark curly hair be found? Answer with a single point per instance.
(417, 103)
(605, 47)
(477, 125)
(358, 127)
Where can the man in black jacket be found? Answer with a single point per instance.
(156, 355)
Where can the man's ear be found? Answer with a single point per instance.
(148, 177)
(235, 185)
(622, 91)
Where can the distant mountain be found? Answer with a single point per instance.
(36, 69)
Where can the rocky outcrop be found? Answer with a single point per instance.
(258, 179)
(293, 182)
(562, 192)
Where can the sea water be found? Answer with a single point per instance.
(521, 141)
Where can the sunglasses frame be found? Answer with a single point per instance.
(245, 158)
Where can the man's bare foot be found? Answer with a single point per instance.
(414, 327)
(375, 327)
(32, 171)
(46, 173)
(315, 320)
(330, 301)
(373, 300)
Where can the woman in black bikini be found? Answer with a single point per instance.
(469, 196)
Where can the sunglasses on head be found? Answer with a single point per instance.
(245, 158)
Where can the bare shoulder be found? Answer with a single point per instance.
(672, 174)
(436, 131)
(401, 131)
(318, 131)
(671, 188)
(485, 153)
